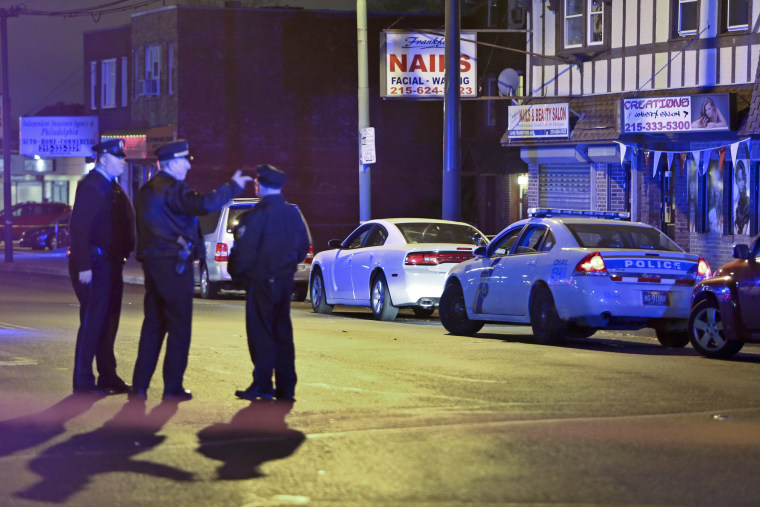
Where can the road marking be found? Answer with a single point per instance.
(6, 325)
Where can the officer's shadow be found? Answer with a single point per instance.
(31, 430)
(67, 467)
(255, 435)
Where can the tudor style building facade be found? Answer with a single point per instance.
(641, 82)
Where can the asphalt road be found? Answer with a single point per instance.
(388, 413)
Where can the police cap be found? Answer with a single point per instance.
(113, 146)
(175, 149)
(270, 176)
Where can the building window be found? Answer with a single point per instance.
(151, 83)
(736, 15)
(124, 81)
(170, 67)
(135, 74)
(108, 83)
(93, 84)
(687, 17)
(583, 24)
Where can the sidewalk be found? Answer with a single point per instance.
(55, 263)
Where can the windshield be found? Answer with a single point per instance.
(427, 232)
(613, 236)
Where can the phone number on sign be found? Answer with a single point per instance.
(657, 126)
(426, 90)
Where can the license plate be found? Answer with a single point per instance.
(655, 298)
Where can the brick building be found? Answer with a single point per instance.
(249, 86)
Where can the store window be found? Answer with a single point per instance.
(686, 17)
(740, 198)
(584, 24)
(735, 15)
(108, 83)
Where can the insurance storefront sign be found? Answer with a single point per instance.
(683, 113)
(538, 121)
(58, 136)
(415, 64)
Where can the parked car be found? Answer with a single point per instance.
(391, 264)
(217, 229)
(568, 272)
(51, 236)
(29, 215)
(724, 309)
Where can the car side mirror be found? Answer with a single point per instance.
(334, 243)
(480, 251)
(741, 251)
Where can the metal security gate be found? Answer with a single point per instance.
(564, 186)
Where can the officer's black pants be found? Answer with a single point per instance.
(168, 312)
(270, 335)
(99, 312)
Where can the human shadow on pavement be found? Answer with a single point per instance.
(255, 435)
(31, 430)
(68, 467)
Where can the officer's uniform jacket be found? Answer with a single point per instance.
(168, 209)
(270, 240)
(102, 222)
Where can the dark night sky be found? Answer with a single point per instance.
(45, 53)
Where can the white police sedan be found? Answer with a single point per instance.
(570, 273)
(391, 263)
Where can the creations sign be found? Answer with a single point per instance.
(58, 136)
(415, 65)
(683, 113)
(538, 120)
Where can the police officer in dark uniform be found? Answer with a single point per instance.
(270, 240)
(102, 237)
(168, 239)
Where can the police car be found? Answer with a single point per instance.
(570, 273)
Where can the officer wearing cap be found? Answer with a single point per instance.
(168, 239)
(102, 237)
(270, 240)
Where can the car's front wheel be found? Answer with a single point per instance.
(300, 291)
(209, 289)
(380, 298)
(548, 328)
(318, 297)
(453, 313)
(706, 331)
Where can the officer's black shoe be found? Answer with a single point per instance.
(117, 386)
(137, 394)
(285, 396)
(182, 395)
(254, 393)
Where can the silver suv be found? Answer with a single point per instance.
(211, 273)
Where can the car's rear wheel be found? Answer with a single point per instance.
(380, 299)
(453, 313)
(318, 297)
(706, 331)
(548, 328)
(209, 289)
(300, 291)
(672, 339)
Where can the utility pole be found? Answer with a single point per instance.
(365, 194)
(452, 131)
(8, 232)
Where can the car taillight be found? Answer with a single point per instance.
(221, 254)
(592, 264)
(703, 270)
(310, 255)
(435, 258)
